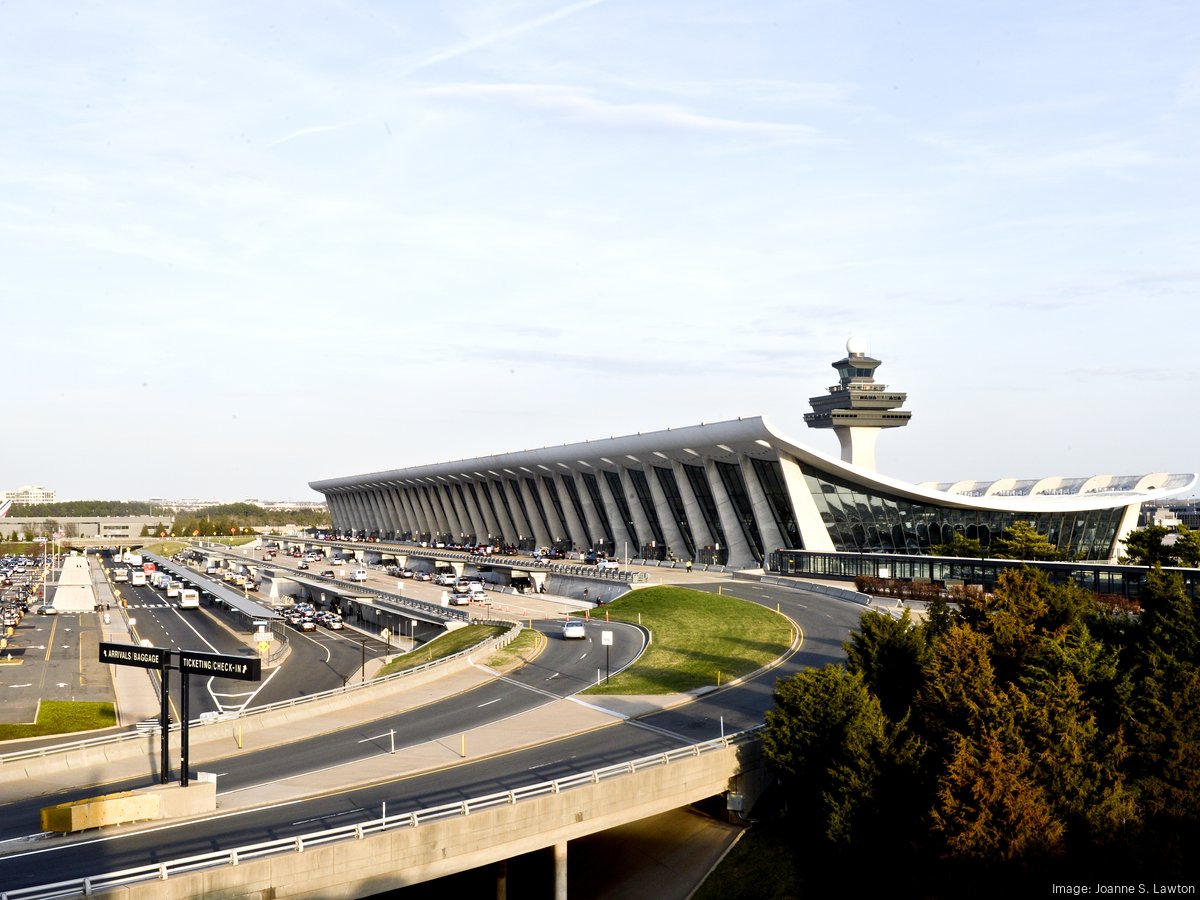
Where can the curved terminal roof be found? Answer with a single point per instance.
(755, 437)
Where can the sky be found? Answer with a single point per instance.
(248, 246)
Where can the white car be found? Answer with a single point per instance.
(574, 629)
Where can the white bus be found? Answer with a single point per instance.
(120, 574)
(189, 598)
(137, 577)
(173, 588)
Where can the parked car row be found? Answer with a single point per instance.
(304, 617)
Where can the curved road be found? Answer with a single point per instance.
(825, 623)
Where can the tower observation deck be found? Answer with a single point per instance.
(857, 407)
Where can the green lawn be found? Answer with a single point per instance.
(697, 638)
(63, 717)
(442, 646)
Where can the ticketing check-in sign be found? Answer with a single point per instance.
(243, 668)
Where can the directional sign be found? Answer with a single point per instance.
(133, 655)
(243, 668)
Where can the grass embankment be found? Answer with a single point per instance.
(63, 717)
(519, 651)
(442, 646)
(697, 639)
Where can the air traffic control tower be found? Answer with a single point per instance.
(857, 408)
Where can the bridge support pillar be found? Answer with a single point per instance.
(560, 871)
(502, 880)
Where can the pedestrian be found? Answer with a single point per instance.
(689, 565)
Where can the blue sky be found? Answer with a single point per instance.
(246, 246)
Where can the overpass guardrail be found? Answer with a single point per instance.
(133, 734)
(163, 871)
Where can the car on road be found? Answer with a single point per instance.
(477, 593)
(358, 575)
(302, 565)
(334, 622)
(306, 623)
(460, 598)
(328, 573)
(422, 576)
(47, 609)
(574, 629)
(445, 579)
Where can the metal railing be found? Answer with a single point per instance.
(87, 743)
(163, 871)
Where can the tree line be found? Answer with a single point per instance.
(1007, 742)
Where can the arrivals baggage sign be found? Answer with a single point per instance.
(133, 655)
(243, 668)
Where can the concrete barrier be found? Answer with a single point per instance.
(158, 802)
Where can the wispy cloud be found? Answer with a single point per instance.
(503, 34)
(573, 106)
(312, 129)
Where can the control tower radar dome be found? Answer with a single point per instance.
(858, 346)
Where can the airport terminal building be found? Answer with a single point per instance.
(735, 492)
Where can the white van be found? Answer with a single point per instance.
(358, 575)
(189, 598)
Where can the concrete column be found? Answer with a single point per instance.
(558, 527)
(521, 527)
(541, 537)
(482, 514)
(814, 535)
(444, 499)
(741, 556)
(502, 880)
(412, 514)
(695, 515)
(508, 528)
(666, 519)
(560, 871)
(768, 530)
(374, 514)
(468, 525)
(576, 529)
(429, 523)
(595, 522)
(620, 531)
(641, 524)
(395, 516)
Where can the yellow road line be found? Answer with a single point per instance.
(50, 640)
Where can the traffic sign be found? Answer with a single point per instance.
(243, 668)
(133, 655)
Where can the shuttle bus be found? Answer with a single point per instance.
(137, 577)
(189, 598)
(173, 588)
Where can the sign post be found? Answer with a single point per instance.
(606, 638)
(191, 662)
(148, 658)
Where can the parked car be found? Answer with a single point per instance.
(422, 576)
(445, 579)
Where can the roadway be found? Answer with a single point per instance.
(825, 622)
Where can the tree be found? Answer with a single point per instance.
(889, 653)
(989, 807)
(1021, 540)
(960, 545)
(826, 737)
(1187, 547)
(1146, 548)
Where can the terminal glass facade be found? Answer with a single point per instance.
(874, 522)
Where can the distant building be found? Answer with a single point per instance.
(735, 492)
(29, 494)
